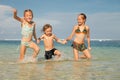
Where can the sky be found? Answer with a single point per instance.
(103, 17)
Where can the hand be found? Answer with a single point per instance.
(38, 41)
(64, 41)
(14, 10)
(89, 48)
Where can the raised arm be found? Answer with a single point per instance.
(15, 16)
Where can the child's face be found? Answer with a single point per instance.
(80, 20)
(28, 16)
(48, 31)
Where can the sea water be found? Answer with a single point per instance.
(105, 63)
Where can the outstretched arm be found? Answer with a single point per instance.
(59, 40)
(15, 16)
(71, 35)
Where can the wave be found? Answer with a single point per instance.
(11, 39)
(63, 39)
(101, 40)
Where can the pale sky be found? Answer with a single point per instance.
(103, 17)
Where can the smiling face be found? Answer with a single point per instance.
(28, 15)
(48, 31)
(81, 19)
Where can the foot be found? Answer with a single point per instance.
(33, 60)
(21, 61)
(57, 58)
(82, 57)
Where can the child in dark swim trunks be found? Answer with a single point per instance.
(48, 37)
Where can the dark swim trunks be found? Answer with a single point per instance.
(79, 47)
(48, 54)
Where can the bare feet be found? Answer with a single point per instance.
(33, 60)
(82, 57)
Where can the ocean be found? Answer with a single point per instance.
(104, 65)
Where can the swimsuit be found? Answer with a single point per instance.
(48, 54)
(78, 31)
(79, 47)
(27, 44)
(26, 33)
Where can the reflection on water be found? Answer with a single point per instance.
(60, 70)
(80, 70)
(27, 71)
(54, 70)
(49, 70)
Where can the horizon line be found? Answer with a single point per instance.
(63, 39)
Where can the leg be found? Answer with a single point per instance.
(76, 54)
(57, 53)
(35, 48)
(22, 52)
(83, 56)
(87, 54)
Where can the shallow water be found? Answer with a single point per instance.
(103, 66)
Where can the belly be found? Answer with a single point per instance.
(48, 46)
(27, 38)
(79, 38)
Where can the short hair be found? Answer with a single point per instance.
(46, 26)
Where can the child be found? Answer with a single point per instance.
(80, 31)
(48, 38)
(28, 30)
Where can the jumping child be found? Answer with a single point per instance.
(28, 30)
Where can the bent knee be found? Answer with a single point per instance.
(37, 49)
(89, 57)
(57, 53)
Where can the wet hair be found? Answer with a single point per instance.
(28, 10)
(84, 16)
(46, 26)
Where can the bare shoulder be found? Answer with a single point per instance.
(75, 27)
(53, 35)
(42, 36)
(22, 20)
(87, 27)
